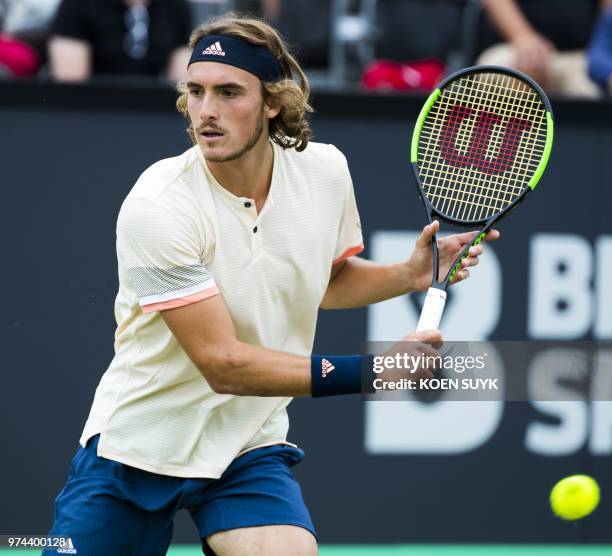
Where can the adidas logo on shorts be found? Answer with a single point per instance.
(68, 548)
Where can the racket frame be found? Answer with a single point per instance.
(486, 223)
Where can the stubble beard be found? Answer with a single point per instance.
(251, 142)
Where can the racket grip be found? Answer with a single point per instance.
(432, 310)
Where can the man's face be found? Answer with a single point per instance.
(226, 109)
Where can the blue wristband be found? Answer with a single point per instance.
(333, 375)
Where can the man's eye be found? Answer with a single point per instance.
(195, 92)
(227, 93)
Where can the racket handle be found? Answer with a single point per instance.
(432, 310)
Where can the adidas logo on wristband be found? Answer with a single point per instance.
(326, 367)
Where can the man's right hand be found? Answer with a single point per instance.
(420, 350)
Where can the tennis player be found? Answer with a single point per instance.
(225, 255)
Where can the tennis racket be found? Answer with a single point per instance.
(479, 147)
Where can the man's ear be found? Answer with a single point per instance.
(271, 112)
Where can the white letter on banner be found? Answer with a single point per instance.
(443, 427)
(551, 398)
(560, 299)
(603, 281)
(601, 414)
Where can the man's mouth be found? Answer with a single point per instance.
(211, 133)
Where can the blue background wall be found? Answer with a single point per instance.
(71, 154)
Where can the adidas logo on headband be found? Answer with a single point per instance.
(240, 53)
(215, 49)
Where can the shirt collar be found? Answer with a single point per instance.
(229, 196)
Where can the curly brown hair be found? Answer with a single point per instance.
(290, 128)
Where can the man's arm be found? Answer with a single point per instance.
(508, 18)
(70, 59)
(532, 50)
(206, 333)
(176, 68)
(357, 282)
(69, 46)
(177, 65)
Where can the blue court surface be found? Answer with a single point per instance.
(416, 550)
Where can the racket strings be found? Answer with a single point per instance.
(475, 138)
(480, 145)
(484, 140)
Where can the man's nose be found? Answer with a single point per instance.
(209, 108)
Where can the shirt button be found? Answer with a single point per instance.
(247, 204)
(255, 230)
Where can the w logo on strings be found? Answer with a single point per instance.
(479, 141)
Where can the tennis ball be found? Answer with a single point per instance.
(574, 497)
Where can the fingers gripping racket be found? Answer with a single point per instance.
(480, 146)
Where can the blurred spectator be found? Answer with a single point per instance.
(120, 37)
(546, 39)
(408, 55)
(24, 28)
(418, 29)
(600, 50)
(305, 25)
(253, 7)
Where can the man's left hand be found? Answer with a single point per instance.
(420, 264)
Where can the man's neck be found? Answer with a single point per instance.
(250, 175)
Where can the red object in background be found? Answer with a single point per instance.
(17, 57)
(422, 75)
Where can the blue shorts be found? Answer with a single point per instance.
(107, 507)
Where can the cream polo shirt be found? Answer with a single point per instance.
(182, 237)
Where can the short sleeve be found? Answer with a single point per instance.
(161, 251)
(184, 24)
(71, 20)
(600, 50)
(350, 238)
